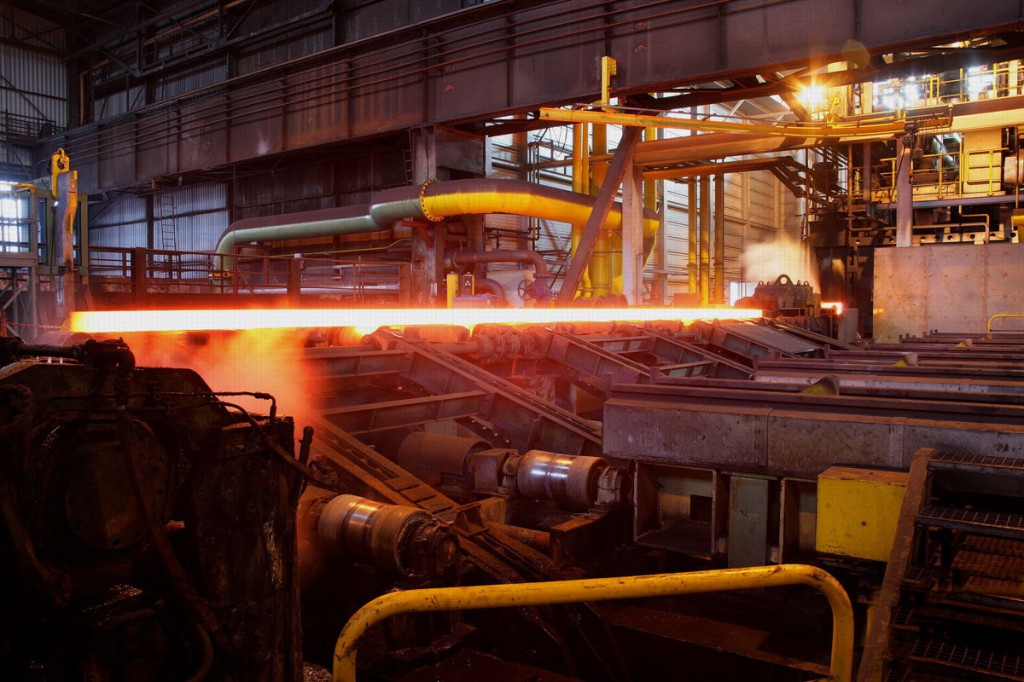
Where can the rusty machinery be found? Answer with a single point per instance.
(718, 430)
(797, 303)
(444, 458)
(149, 527)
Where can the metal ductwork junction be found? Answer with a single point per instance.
(433, 202)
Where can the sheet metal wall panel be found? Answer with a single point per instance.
(661, 49)
(116, 155)
(277, 49)
(381, 103)
(561, 63)
(123, 209)
(119, 103)
(755, 30)
(374, 18)
(200, 232)
(203, 139)
(181, 82)
(126, 236)
(30, 28)
(34, 85)
(317, 105)
(258, 127)
(156, 152)
(119, 221)
(195, 198)
(949, 287)
(460, 80)
(296, 189)
(886, 22)
(686, 434)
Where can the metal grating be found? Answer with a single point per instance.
(1012, 590)
(989, 565)
(1000, 546)
(998, 524)
(1005, 664)
(960, 461)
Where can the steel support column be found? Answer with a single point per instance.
(705, 239)
(904, 192)
(633, 235)
(602, 206)
(720, 290)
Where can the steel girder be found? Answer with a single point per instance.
(497, 59)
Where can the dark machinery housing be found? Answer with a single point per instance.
(148, 527)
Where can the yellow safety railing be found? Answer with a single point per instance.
(993, 82)
(988, 327)
(600, 589)
(929, 171)
(978, 170)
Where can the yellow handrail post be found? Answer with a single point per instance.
(599, 589)
(988, 327)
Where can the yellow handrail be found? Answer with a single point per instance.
(988, 327)
(599, 589)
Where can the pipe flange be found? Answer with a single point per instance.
(423, 204)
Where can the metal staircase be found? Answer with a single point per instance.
(952, 603)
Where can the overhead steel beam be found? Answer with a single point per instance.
(500, 58)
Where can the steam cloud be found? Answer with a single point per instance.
(783, 256)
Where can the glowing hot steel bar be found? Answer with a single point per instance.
(369, 319)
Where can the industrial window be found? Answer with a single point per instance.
(13, 221)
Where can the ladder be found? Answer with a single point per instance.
(165, 221)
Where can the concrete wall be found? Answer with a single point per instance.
(954, 287)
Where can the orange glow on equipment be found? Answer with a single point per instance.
(833, 304)
(367, 320)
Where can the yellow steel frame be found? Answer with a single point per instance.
(801, 130)
(599, 589)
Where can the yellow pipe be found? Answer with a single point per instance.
(650, 184)
(598, 589)
(783, 130)
(693, 250)
(434, 201)
(514, 202)
(580, 183)
(600, 268)
(988, 327)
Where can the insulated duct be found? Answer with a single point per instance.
(433, 201)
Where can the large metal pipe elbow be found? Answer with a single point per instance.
(434, 201)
